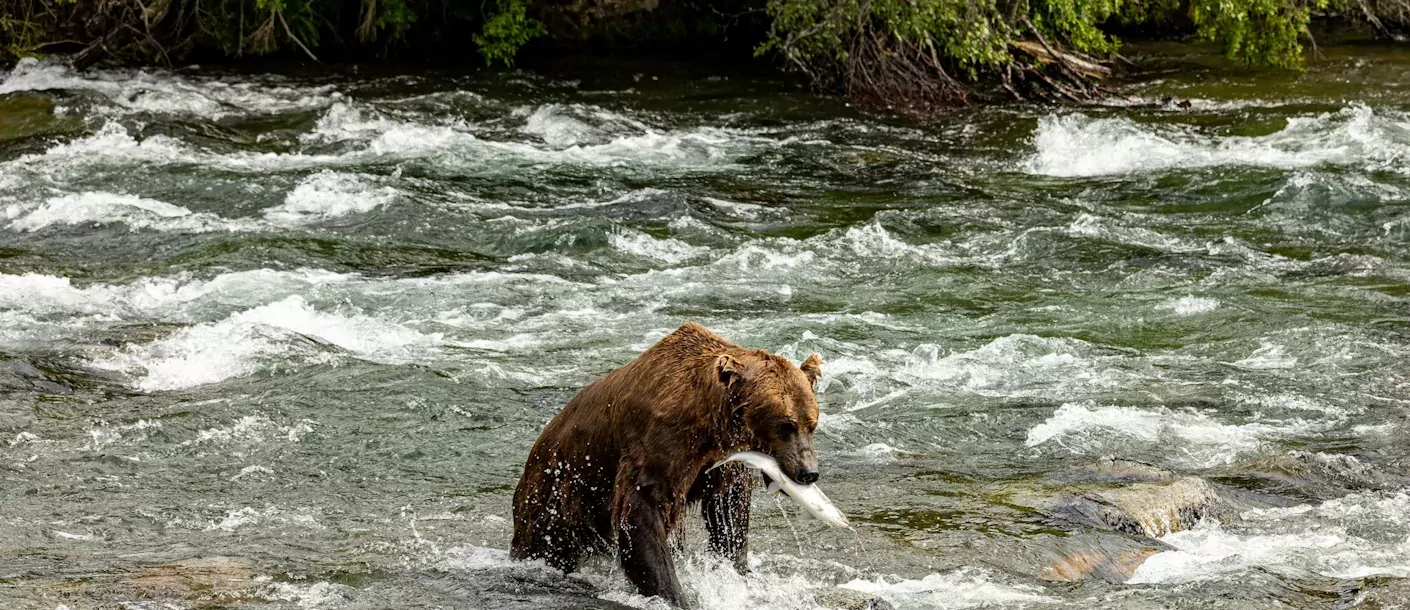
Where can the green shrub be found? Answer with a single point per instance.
(911, 51)
(506, 31)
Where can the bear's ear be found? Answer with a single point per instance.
(730, 370)
(812, 367)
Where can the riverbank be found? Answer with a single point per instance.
(900, 56)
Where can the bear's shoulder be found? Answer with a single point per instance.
(694, 338)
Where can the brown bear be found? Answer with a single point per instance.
(617, 468)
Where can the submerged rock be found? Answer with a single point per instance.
(197, 578)
(1098, 563)
(1136, 498)
(1159, 509)
(1315, 474)
(1378, 594)
(1110, 467)
(1146, 509)
(1114, 512)
(838, 598)
(24, 378)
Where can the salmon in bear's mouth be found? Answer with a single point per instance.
(809, 497)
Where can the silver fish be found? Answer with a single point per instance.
(809, 497)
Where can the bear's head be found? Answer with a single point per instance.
(775, 401)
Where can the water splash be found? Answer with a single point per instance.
(1075, 145)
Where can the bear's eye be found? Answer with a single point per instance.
(787, 427)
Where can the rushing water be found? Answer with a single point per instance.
(285, 341)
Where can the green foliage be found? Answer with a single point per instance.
(815, 33)
(395, 17)
(1256, 32)
(25, 25)
(1079, 22)
(852, 43)
(968, 31)
(506, 31)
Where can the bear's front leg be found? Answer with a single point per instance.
(642, 543)
(725, 507)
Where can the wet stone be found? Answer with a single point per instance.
(1316, 474)
(1150, 509)
(1114, 468)
(21, 377)
(1159, 509)
(203, 578)
(1102, 564)
(1377, 594)
(838, 598)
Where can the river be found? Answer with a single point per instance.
(284, 340)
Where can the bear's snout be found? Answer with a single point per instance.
(797, 460)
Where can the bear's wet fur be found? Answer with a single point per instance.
(616, 469)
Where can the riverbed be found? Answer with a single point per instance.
(283, 340)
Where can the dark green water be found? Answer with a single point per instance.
(309, 326)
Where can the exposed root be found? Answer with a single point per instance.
(144, 31)
(899, 74)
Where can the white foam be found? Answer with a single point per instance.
(1356, 536)
(1088, 225)
(311, 596)
(111, 144)
(25, 437)
(713, 585)
(1189, 305)
(1078, 145)
(250, 429)
(457, 143)
(754, 258)
(565, 125)
(964, 588)
(237, 346)
(72, 536)
(384, 136)
(242, 517)
(104, 208)
(367, 135)
(774, 582)
(38, 292)
(251, 471)
(747, 211)
(47, 294)
(127, 91)
(702, 148)
(1016, 365)
(327, 195)
(477, 558)
(1196, 439)
(873, 241)
(559, 129)
(668, 250)
(878, 452)
(1268, 356)
(104, 436)
(1186, 104)
(832, 252)
(1298, 402)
